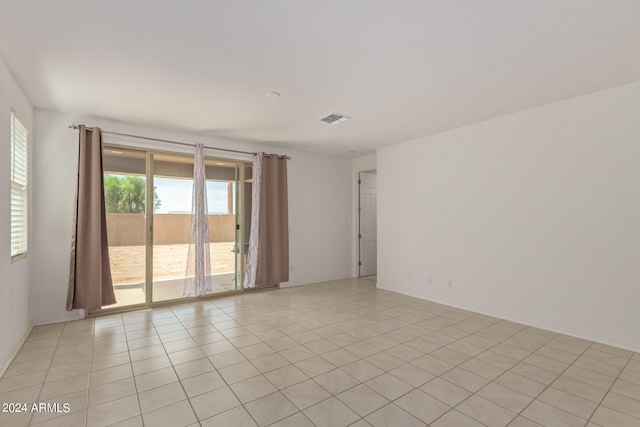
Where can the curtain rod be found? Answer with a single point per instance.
(176, 142)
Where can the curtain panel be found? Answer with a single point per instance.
(198, 275)
(254, 237)
(90, 283)
(268, 262)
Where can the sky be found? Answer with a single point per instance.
(176, 195)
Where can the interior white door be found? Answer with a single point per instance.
(368, 225)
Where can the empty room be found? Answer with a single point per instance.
(288, 213)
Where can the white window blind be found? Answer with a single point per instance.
(18, 187)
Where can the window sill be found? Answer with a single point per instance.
(18, 257)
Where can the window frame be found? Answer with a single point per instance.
(19, 189)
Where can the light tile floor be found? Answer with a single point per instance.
(330, 354)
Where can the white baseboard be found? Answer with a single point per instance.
(9, 359)
(75, 315)
(549, 327)
(79, 314)
(294, 284)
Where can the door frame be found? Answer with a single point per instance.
(355, 242)
(148, 283)
(359, 266)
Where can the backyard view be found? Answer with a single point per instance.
(125, 199)
(170, 261)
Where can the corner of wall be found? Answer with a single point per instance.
(15, 290)
(532, 216)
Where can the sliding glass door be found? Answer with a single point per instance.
(125, 202)
(173, 183)
(149, 201)
(224, 236)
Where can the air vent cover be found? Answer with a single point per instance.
(335, 118)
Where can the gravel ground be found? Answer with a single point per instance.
(169, 261)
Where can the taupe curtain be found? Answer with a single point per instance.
(90, 284)
(271, 254)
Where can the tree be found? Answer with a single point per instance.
(126, 194)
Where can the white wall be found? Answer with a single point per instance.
(15, 310)
(318, 206)
(535, 217)
(364, 163)
(319, 210)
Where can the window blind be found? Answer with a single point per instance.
(18, 187)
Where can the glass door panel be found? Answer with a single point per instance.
(173, 183)
(222, 205)
(125, 196)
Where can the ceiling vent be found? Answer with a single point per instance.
(335, 118)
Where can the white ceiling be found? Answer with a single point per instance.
(402, 69)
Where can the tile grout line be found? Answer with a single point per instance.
(394, 313)
(442, 346)
(549, 385)
(133, 376)
(218, 372)
(49, 368)
(174, 371)
(360, 340)
(490, 381)
(242, 404)
(293, 364)
(522, 360)
(384, 372)
(609, 389)
(47, 374)
(93, 336)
